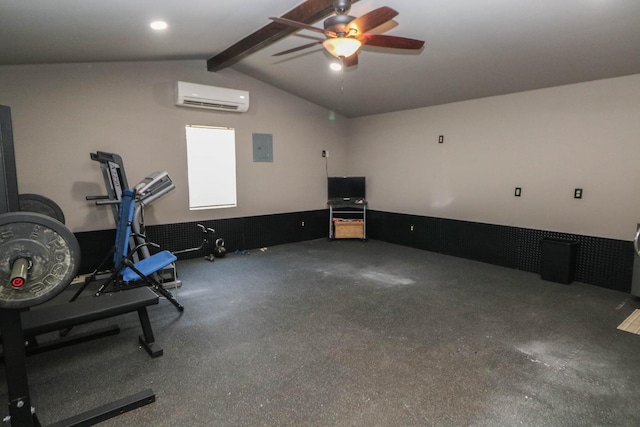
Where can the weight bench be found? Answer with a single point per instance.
(57, 317)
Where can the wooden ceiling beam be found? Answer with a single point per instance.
(308, 12)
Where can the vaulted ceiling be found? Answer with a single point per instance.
(473, 48)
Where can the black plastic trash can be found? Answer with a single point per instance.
(558, 259)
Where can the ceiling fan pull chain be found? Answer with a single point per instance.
(341, 90)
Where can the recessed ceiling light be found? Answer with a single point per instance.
(159, 25)
(335, 66)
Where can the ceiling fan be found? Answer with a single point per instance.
(345, 34)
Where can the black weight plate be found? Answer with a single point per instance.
(40, 204)
(54, 253)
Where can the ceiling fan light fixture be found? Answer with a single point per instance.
(342, 47)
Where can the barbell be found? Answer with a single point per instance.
(40, 204)
(39, 257)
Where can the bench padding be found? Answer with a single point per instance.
(40, 320)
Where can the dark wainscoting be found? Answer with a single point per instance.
(95, 246)
(238, 234)
(243, 233)
(602, 262)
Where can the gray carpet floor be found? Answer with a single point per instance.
(347, 333)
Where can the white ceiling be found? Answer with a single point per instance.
(473, 48)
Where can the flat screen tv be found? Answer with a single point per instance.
(346, 187)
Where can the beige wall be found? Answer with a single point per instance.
(61, 113)
(546, 141)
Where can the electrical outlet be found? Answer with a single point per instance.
(440, 139)
(577, 193)
(518, 192)
(302, 223)
(325, 153)
(411, 227)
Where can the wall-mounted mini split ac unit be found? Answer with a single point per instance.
(211, 97)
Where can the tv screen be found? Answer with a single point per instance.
(346, 187)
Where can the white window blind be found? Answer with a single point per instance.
(211, 163)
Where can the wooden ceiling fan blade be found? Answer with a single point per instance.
(371, 20)
(297, 24)
(350, 61)
(391, 41)
(295, 49)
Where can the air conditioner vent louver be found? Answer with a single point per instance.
(211, 97)
(204, 104)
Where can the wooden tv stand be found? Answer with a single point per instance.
(353, 225)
